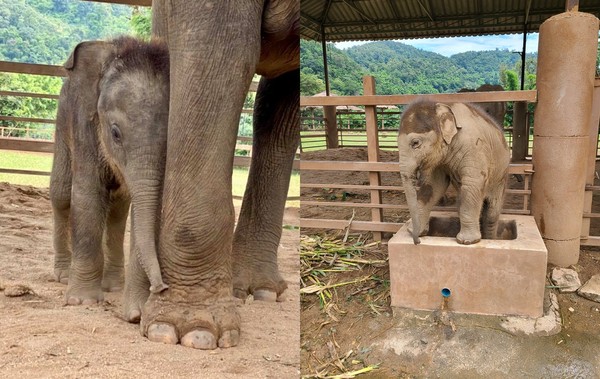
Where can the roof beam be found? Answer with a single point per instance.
(360, 12)
(425, 9)
(469, 17)
(326, 12)
(392, 4)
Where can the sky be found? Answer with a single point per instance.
(451, 46)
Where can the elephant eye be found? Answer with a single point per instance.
(415, 143)
(115, 133)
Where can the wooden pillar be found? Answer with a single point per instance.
(373, 151)
(331, 131)
(565, 82)
(520, 135)
(591, 158)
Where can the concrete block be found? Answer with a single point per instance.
(493, 277)
(591, 289)
(547, 325)
(566, 279)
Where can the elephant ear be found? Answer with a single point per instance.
(447, 121)
(85, 68)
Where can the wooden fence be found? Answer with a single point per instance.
(376, 223)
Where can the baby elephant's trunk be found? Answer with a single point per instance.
(410, 192)
(144, 224)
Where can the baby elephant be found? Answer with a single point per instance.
(110, 149)
(453, 143)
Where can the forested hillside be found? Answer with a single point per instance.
(45, 32)
(403, 69)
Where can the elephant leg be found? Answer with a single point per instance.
(491, 212)
(432, 189)
(112, 276)
(60, 195)
(256, 238)
(469, 211)
(214, 50)
(88, 217)
(137, 284)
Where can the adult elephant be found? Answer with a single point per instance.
(215, 49)
(495, 109)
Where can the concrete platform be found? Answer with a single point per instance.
(494, 277)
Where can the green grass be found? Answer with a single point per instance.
(43, 162)
(25, 161)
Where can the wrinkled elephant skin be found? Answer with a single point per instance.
(215, 49)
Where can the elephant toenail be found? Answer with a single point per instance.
(200, 339)
(164, 333)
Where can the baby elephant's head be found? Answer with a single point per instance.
(426, 129)
(133, 109)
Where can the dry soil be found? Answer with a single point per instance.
(42, 338)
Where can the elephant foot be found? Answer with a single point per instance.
(170, 317)
(61, 275)
(468, 238)
(133, 304)
(112, 279)
(83, 294)
(260, 284)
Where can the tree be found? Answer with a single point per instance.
(310, 84)
(141, 22)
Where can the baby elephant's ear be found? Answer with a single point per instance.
(85, 68)
(91, 56)
(447, 121)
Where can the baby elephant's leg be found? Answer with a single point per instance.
(491, 212)
(469, 211)
(112, 276)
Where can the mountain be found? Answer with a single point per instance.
(402, 69)
(46, 31)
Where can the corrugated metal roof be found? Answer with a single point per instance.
(345, 20)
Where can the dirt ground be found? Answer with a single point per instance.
(39, 337)
(351, 327)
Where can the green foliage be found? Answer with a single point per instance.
(510, 81)
(27, 106)
(345, 75)
(141, 22)
(311, 84)
(34, 31)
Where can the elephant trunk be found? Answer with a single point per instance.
(145, 202)
(410, 191)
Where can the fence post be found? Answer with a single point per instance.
(373, 151)
(520, 135)
(329, 113)
(591, 158)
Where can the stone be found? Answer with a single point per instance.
(547, 325)
(566, 279)
(17, 290)
(504, 277)
(591, 289)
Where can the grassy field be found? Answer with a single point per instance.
(43, 162)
